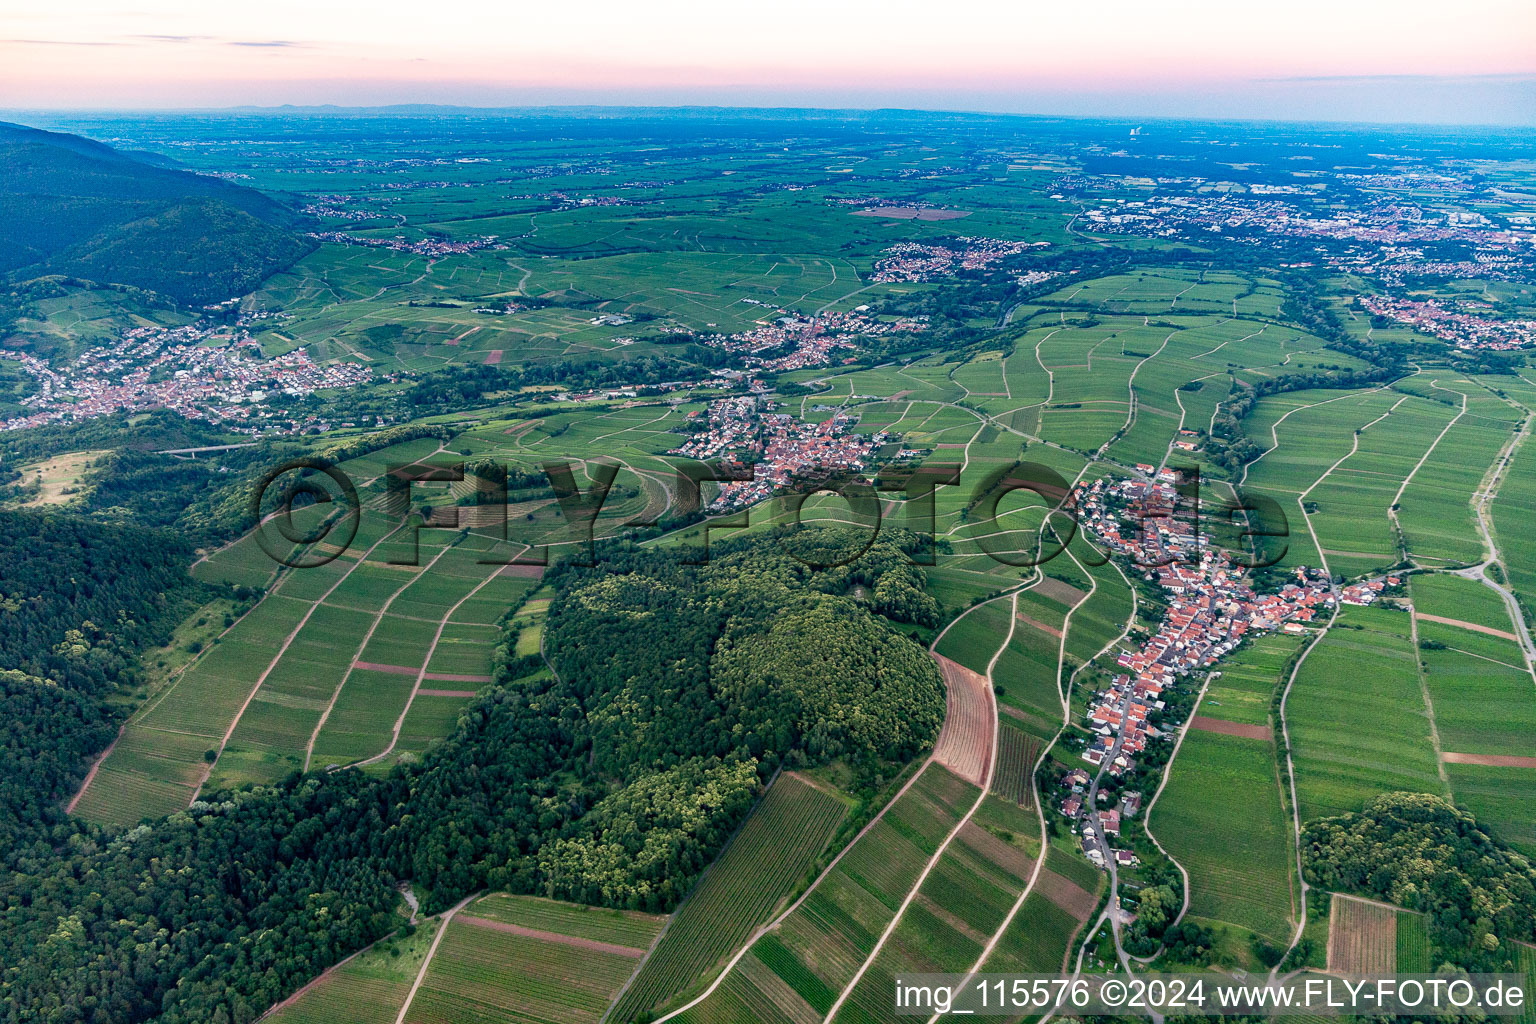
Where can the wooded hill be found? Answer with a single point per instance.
(70, 206)
(546, 786)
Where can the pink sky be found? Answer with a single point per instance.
(959, 53)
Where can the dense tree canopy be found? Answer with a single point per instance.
(47, 732)
(756, 654)
(1421, 852)
(78, 601)
(828, 677)
(613, 781)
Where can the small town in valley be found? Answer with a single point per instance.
(210, 373)
(1464, 330)
(781, 449)
(1211, 610)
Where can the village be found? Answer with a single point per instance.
(915, 261)
(1392, 239)
(337, 207)
(566, 201)
(793, 342)
(204, 372)
(782, 450)
(1211, 610)
(433, 248)
(1464, 330)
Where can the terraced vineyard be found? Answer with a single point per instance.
(1362, 938)
(1359, 724)
(1221, 817)
(1016, 755)
(487, 970)
(365, 990)
(1221, 814)
(775, 847)
(1414, 955)
(1526, 962)
(815, 951)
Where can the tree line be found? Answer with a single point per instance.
(612, 780)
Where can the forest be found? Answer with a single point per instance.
(1421, 852)
(76, 207)
(754, 654)
(79, 601)
(214, 913)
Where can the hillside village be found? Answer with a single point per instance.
(205, 372)
(1211, 610)
(432, 248)
(793, 342)
(782, 450)
(1464, 330)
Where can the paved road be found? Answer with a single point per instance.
(1481, 503)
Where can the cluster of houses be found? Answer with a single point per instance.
(1394, 268)
(915, 261)
(566, 201)
(1099, 827)
(727, 429)
(879, 203)
(1211, 609)
(336, 207)
(1389, 238)
(1464, 330)
(205, 372)
(1033, 277)
(1408, 181)
(505, 309)
(793, 342)
(432, 248)
(566, 168)
(1387, 225)
(781, 449)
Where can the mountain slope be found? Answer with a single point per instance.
(75, 207)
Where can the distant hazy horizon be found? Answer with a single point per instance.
(1386, 117)
(1329, 60)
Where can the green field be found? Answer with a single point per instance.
(509, 959)
(1454, 597)
(1517, 548)
(367, 989)
(1358, 722)
(1484, 702)
(1413, 950)
(975, 638)
(1221, 814)
(960, 905)
(1498, 797)
(159, 761)
(817, 949)
(777, 844)
(1039, 937)
(1435, 513)
(1525, 962)
(1308, 433)
(600, 924)
(1016, 756)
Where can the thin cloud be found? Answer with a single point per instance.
(276, 43)
(58, 42)
(152, 38)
